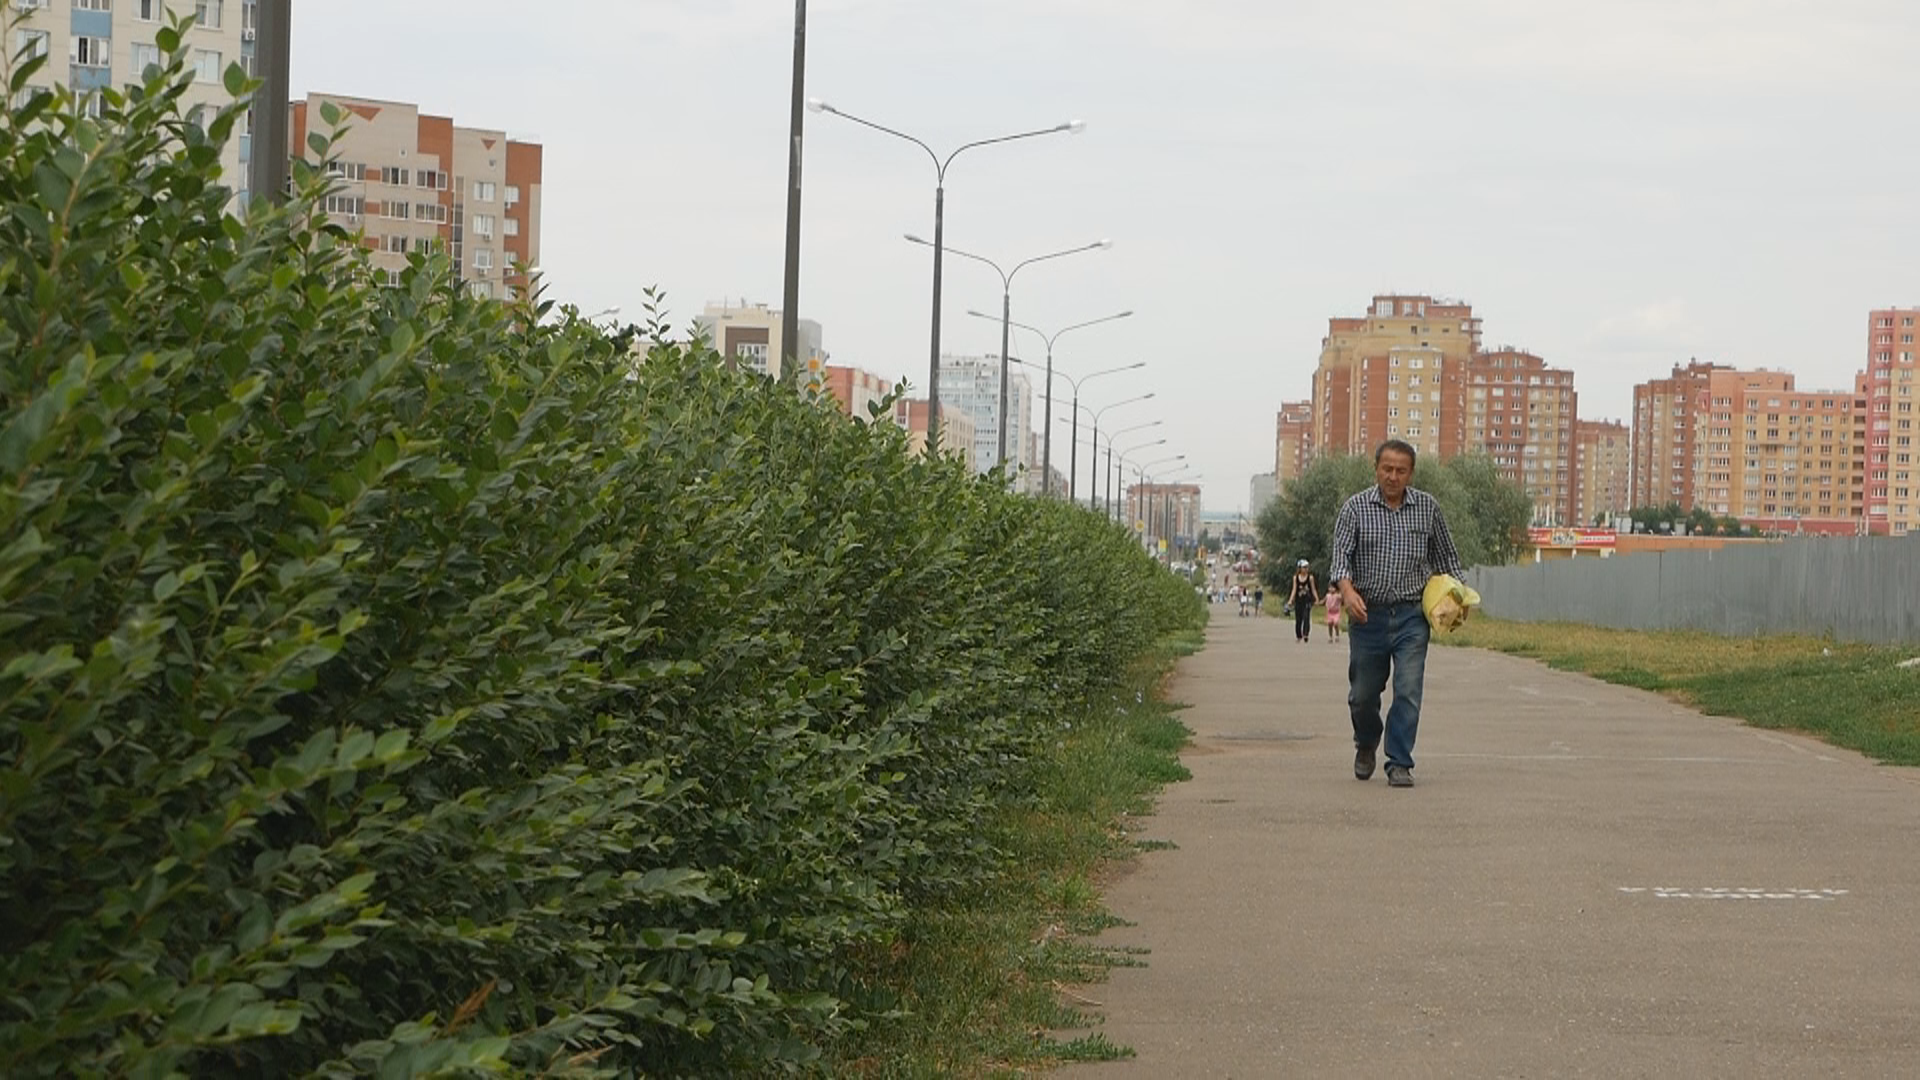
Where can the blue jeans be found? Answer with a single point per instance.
(1394, 636)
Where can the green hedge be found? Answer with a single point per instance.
(397, 682)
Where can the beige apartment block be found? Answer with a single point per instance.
(1523, 414)
(95, 44)
(1771, 451)
(410, 182)
(1603, 468)
(1292, 443)
(1397, 372)
(751, 335)
(1890, 489)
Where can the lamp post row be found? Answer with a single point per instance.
(790, 306)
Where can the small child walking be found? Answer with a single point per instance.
(1334, 602)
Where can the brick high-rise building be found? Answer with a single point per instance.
(1293, 442)
(1769, 451)
(413, 182)
(1398, 372)
(1891, 495)
(1665, 416)
(1603, 466)
(1523, 413)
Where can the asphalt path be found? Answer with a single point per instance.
(1586, 880)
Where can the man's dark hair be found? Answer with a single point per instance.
(1400, 447)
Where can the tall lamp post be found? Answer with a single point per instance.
(1097, 473)
(1073, 445)
(1046, 430)
(1117, 465)
(939, 231)
(1101, 411)
(1006, 310)
(1146, 510)
(790, 291)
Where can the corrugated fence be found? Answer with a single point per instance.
(1855, 589)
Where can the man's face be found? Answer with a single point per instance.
(1392, 470)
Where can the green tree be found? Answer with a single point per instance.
(1494, 509)
(1299, 523)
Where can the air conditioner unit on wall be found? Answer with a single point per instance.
(247, 34)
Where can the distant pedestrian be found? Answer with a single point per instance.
(1259, 597)
(1333, 615)
(1246, 601)
(1387, 541)
(1303, 593)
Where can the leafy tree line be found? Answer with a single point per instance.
(397, 682)
(1696, 522)
(1486, 512)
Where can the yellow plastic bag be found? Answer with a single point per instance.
(1446, 601)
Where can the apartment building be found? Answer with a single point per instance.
(752, 336)
(1772, 451)
(95, 44)
(956, 428)
(1164, 512)
(1890, 494)
(1523, 414)
(971, 384)
(411, 182)
(1666, 415)
(1398, 372)
(1603, 468)
(856, 391)
(1293, 442)
(1261, 490)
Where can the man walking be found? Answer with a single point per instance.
(1387, 541)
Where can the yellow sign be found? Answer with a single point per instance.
(1163, 545)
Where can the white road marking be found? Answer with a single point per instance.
(1717, 892)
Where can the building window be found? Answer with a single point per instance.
(91, 51)
(396, 175)
(207, 13)
(432, 179)
(483, 191)
(483, 258)
(483, 226)
(513, 194)
(144, 57)
(346, 205)
(31, 42)
(93, 5)
(206, 65)
(433, 212)
(396, 210)
(511, 226)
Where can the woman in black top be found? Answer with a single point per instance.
(1303, 594)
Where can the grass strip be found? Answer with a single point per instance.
(980, 988)
(1851, 695)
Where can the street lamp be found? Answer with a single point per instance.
(1147, 497)
(1006, 309)
(1073, 446)
(1117, 465)
(939, 230)
(1095, 473)
(1046, 429)
(1101, 411)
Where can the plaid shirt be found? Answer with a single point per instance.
(1389, 554)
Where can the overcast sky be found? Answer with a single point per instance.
(1615, 186)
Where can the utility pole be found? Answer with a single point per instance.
(272, 49)
(790, 299)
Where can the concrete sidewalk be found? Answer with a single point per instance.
(1588, 880)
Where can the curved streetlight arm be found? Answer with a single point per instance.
(1097, 245)
(816, 105)
(1114, 405)
(1073, 126)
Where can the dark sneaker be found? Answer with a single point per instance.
(1363, 764)
(1399, 776)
